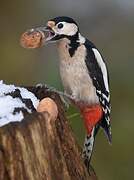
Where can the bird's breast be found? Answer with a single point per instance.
(75, 76)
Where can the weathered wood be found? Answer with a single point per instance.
(41, 148)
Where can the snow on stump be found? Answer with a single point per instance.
(41, 145)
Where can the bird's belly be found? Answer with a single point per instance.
(78, 84)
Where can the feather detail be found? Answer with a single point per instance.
(91, 116)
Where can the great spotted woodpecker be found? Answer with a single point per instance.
(84, 76)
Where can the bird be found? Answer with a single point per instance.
(85, 77)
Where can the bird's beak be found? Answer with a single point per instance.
(48, 33)
(39, 36)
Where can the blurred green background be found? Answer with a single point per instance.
(110, 25)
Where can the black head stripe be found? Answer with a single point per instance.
(63, 19)
(74, 44)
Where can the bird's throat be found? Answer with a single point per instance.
(69, 43)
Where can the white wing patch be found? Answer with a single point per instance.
(102, 66)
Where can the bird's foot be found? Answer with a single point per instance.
(39, 85)
(65, 98)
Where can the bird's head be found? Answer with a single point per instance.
(59, 28)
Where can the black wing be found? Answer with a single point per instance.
(96, 68)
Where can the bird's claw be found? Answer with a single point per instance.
(65, 98)
(39, 85)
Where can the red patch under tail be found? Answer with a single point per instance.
(91, 115)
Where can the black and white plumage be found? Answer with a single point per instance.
(98, 72)
(83, 73)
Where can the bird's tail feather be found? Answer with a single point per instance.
(107, 129)
(88, 146)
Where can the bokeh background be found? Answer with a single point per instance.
(110, 25)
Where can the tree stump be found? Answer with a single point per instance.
(41, 147)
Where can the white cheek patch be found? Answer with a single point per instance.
(69, 29)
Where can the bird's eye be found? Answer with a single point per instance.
(60, 25)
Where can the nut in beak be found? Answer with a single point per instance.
(35, 38)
